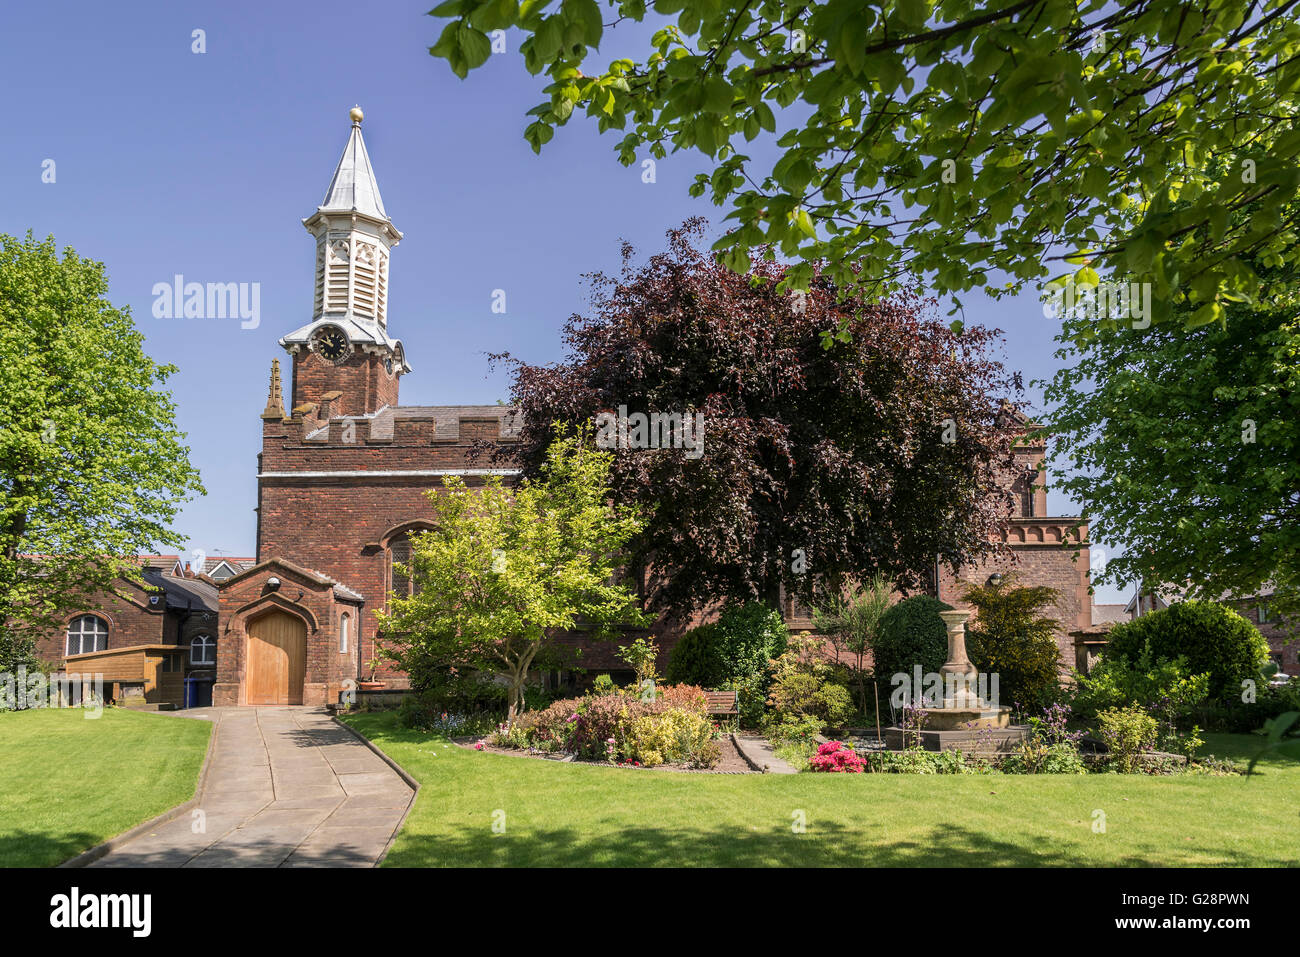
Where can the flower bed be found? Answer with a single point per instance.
(670, 726)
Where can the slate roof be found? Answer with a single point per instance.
(354, 186)
(183, 593)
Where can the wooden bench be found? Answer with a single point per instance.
(722, 704)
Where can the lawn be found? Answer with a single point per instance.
(562, 814)
(68, 783)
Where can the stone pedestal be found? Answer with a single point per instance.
(964, 721)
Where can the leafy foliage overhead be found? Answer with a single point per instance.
(883, 453)
(943, 139)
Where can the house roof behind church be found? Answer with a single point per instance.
(183, 593)
(1108, 614)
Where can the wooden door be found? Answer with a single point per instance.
(277, 659)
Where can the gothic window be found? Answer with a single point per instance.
(345, 622)
(381, 288)
(87, 634)
(363, 278)
(203, 650)
(336, 293)
(399, 551)
(318, 301)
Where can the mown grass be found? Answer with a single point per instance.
(574, 815)
(68, 783)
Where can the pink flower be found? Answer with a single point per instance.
(479, 746)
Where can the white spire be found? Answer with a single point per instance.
(354, 238)
(353, 187)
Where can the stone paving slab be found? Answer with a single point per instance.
(285, 787)
(758, 751)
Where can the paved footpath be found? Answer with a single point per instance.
(285, 787)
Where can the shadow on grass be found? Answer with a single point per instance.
(823, 845)
(36, 849)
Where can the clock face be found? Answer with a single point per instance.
(331, 344)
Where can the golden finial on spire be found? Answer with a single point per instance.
(274, 400)
(357, 115)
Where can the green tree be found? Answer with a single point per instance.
(797, 484)
(852, 621)
(1211, 638)
(506, 571)
(935, 138)
(734, 653)
(93, 468)
(1184, 445)
(1010, 637)
(911, 634)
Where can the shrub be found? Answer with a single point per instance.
(599, 719)
(671, 726)
(708, 756)
(1010, 638)
(792, 728)
(603, 684)
(1116, 681)
(459, 691)
(697, 659)
(1127, 732)
(915, 761)
(674, 735)
(1212, 638)
(551, 727)
(805, 686)
(911, 633)
(509, 736)
(732, 653)
(836, 757)
(1165, 689)
(1241, 717)
(686, 697)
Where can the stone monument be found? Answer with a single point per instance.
(963, 719)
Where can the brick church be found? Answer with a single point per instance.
(342, 477)
(341, 483)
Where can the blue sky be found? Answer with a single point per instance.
(170, 162)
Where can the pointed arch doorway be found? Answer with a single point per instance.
(277, 659)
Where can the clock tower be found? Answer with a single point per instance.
(346, 347)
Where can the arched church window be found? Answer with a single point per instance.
(86, 634)
(203, 650)
(399, 552)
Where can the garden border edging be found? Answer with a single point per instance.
(99, 850)
(410, 782)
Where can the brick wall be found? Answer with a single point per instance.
(300, 593)
(342, 526)
(131, 620)
(362, 378)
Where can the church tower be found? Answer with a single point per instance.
(346, 347)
